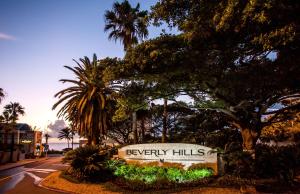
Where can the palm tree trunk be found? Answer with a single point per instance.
(12, 146)
(68, 143)
(95, 140)
(134, 128)
(165, 115)
(5, 139)
(89, 140)
(72, 141)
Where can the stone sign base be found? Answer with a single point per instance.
(180, 155)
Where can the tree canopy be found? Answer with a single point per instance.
(239, 54)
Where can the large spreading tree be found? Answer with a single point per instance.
(243, 55)
(129, 25)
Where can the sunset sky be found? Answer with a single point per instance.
(38, 37)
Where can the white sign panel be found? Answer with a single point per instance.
(186, 154)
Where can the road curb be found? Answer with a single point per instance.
(21, 164)
(51, 189)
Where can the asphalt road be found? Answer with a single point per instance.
(25, 179)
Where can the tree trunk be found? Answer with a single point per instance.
(72, 141)
(165, 115)
(12, 146)
(68, 143)
(5, 139)
(143, 129)
(134, 128)
(89, 140)
(249, 140)
(95, 140)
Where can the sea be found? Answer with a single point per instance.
(61, 146)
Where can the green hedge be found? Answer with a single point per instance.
(152, 174)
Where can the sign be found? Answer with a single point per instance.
(185, 154)
(27, 137)
(46, 147)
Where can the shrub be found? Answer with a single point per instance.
(155, 174)
(54, 152)
(175, 174)
(280, 162)
(237, 162)
(88, 163)
(65, 150)
(29, 156)
(235, 181)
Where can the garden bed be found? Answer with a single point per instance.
(225, 184)
(153, 177)
(56, 181)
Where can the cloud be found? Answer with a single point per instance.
(4, 36)
(53, 131)
(56, 127)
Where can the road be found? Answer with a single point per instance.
(25, 179)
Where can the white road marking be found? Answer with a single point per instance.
(41, 169)
(36, 178)
(26, 169)
(60, 164)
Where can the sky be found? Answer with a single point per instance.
(39, 37)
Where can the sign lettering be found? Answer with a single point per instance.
(186, 154)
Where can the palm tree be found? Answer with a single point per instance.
(47, 136)
(11, 114)
(126, 23)
(129, 25)
(5, 117)
(6, 120)
(14, 109)
(72, 137)
(65, 133)
(88, 102)
(1, 95)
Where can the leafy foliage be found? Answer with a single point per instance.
(88, 104)
(126, 23)
(279, 162)
(12, 111)
(152, 174)
(66, 133)
(236, 63)
(88, 163)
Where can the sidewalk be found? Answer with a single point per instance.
(19, 163)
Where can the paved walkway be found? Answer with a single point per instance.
(19, 163)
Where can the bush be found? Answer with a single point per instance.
(234, 181)
(30, 156)
(280, 162)
(65, 150)
(54, 152)
(155, 174)
(237, 162)
(88, 163)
